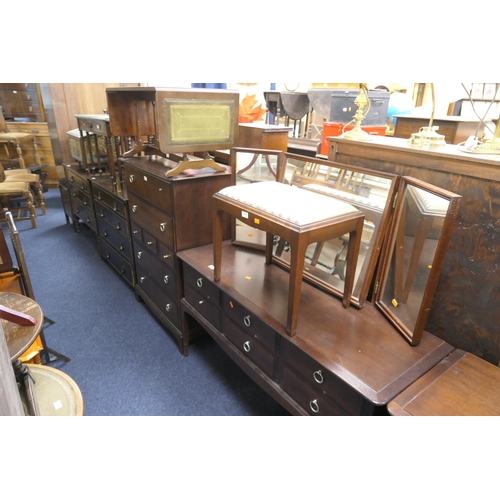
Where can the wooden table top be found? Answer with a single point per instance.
(462, 384)
(19, 338)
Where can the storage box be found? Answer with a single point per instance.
(75, 148)
(335, 129)
(343, 107)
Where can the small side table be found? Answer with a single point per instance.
(462, 384)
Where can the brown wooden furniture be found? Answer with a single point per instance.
(460, 385)
(167, 214)
(454, 128)
(12, 142)
(340, 362)
(17, 196)
(80, 192)
(468, 292)
(329, 219)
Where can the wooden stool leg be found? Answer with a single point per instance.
(351, 262)
(297, 256)
(20, 156)
(269, 248)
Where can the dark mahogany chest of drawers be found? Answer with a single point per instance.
(114, 236)
(82, 209)
(167, 215)
(340, 362)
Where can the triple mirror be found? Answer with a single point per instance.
(413, 258)
(370, 191)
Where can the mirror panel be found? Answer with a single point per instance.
(412, 261)
(370, 191)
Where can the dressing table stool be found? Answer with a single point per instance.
(299, 216)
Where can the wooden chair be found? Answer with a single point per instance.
(20, 175)
(17, 196)
(11, 142)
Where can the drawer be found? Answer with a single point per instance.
(166, 257)
(115, 238)
(314, 402)
(84, 214)
(206, 288)
(80, 197)
(320, 379)
(164, 277)
(166, 305)
(157, 191)
(78, 180)
(154, 221)
(116, 260)
(99, 127)
(249, 346)
(104, 197)
(37, 128)
(112, 218)
(250, 323)
(205, 307)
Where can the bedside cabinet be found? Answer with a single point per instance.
(80, 194)
(167, 215)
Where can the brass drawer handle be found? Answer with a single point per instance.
(118, 227)
(318, 376)
(105, 233)
(247, 321)
(142, 279)
(131, 178)
(167, 256)
(168, 307)
(122, 247)
(199, 282)
(115, 208)
(314, 406)
(139, 255)
(163, 226)
(165, 279)
(134, 208)
(246, 346)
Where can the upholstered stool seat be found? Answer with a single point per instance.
(301, 217)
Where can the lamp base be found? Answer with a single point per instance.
(427, 137)
(491, 147)
(357, 134)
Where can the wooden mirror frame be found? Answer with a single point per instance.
(413, 334)
(312, 175)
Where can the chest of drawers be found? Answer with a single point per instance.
(167, 215)
(114, 236)
(80, 194)
(340, 362)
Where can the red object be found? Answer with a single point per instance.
(16, 317)
(331, 129)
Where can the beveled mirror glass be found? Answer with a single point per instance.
(251, 165)
(370, 191)
(412, 261)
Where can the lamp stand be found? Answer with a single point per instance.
(357, 133)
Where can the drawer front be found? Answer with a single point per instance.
(79, 181)
(112, 218)
(167, 305)
(250, 323)
(117, 261)
(157, 191)
(314, 402)
(321, 380)
(154, 221)
(204, 287)
(80, 197)
(115, 238)
(166, 258)
(164, 277)
(107, 199)
(93, 125)
(205, 307)
(84, 214)
(37, 128)
(250, 347)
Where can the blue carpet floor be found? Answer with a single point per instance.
(122, 358)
